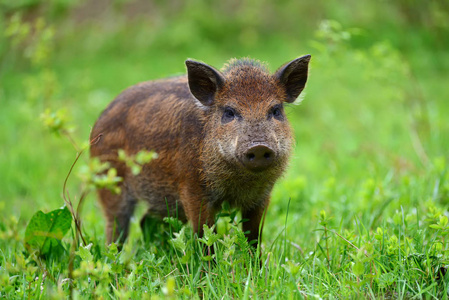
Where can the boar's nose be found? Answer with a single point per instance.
(258, 158)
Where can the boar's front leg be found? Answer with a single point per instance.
(201, 214)
(197, 209)
(251, 226)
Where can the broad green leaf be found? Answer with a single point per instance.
(358, 269)
(179, 242)
(209, 237)
(45, 231)
(113, 249)
(84, 253)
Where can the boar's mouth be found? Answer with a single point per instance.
(258, 157)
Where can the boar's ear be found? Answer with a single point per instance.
(293, 76)
(204, 81)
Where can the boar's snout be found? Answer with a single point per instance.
(258, 158)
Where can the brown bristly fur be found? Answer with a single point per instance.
(201, 154)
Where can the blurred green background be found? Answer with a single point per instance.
(373, 120)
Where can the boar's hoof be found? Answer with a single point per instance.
(258, 158)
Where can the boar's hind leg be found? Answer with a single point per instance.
(118, 209)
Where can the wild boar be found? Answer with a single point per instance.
(219, 135)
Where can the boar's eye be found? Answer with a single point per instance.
(228, 115)
(276, 112)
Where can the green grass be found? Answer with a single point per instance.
(361, 212)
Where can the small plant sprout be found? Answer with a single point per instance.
(98, 175)
(136, 162)
(324, 221)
